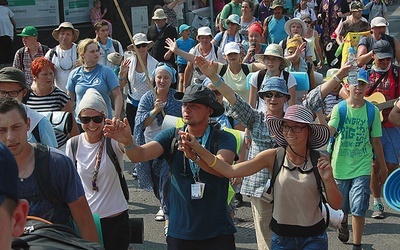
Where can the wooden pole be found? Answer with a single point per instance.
(136, 50)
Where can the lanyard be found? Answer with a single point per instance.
(193, 165)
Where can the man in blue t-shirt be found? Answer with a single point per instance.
(274, 25)
(199, 213)
(64, 178)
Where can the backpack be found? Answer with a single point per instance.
(54, 53)
(40, 234)
(218, 18)
(314, 155)
(245, 69)
(342, 108)
(269, 18)
(241, 38)
(21, 54)
(36, 134)
(113, 157)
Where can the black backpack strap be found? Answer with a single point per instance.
(45, 48)
(284, 42)
(52, 54)
(279, 158)
(42, 173)
(36, 133)
(245, 69)
(115, 45)
(113, 157)
(216, 50)
(286, 76)
(74, 147)
(21, 57)
(260, 78)
(223, 70)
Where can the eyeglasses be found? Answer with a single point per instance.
(10, 93)
(270, 95)
(295, 129)
(95, 119)
(216, 92)
(142, 45)
(308, 22)
(230, 23)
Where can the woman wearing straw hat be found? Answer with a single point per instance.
(296, 26)
(297, 221)
(275, 64)
(64, 55)
(133, 74)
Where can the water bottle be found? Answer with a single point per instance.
(351, 60)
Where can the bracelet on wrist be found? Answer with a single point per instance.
(214, 162)
(219, 82)
(151, 115)
(130, 146)
(198, 158)
(337, 79)
(121, 78)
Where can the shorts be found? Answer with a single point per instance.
(181, 68)
(355, 194)
(391, 144)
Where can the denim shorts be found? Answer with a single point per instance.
(318, 242)
(391, 144)
(355, 194)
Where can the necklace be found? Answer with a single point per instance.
(68, 63)
(21, 178)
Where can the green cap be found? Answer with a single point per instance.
(29, 31)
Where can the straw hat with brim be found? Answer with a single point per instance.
(197, 93)
(318, 137)
(66, 25)
(159, 14)
(115, 58)
(296, 20)
(140, 38)
(273, 50)
(277, 3)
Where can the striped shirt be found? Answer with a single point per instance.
(55, 101)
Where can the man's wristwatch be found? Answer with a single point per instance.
(197, 159)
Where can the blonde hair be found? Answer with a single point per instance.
(82, 45)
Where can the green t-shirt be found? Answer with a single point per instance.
(229, 10)
(352, 154)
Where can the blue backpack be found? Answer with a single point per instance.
(342, 108)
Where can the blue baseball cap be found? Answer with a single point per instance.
(362, 75)
(183, 27)
(275, 83)
(8, 175)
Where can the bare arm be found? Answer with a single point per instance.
(363, 56)
(329, 85)
(209, 69)
(83, 218)
(394, 116)
(172, 46)
(333, 194)
(397, 48)
(187, 76)
(380, 158)
(14, 24)
(158, 107)
(121, 132)
(72, 96)
(312, 77)
(262, 160)
(292, 92)
(116, 93)
(123, 73)
(253, 96)
(318, 50)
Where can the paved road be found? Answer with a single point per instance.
(379, 234)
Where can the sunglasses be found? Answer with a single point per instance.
(230, 23)
(276, 95)
(308, 22)
(216, 92)
(95, 119)
(142, 45)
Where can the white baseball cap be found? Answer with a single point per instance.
(231, 47)
(379, 22)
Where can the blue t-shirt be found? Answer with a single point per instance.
(276, 30)
(184, 45)
(65, 180)
(200, 219)
(102, 78)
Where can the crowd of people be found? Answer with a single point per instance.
(253, 110)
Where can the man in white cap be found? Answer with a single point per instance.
(158, 33)
(64, 55)
(378, 30)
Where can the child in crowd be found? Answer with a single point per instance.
(333, 97)
(184, 43)
(352, 155)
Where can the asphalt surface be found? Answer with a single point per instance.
(378, 234)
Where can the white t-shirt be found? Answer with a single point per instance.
(109, 199)
(64, 62)
(198, 77)
(261, 104)
(105, 50)
(6, 27)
